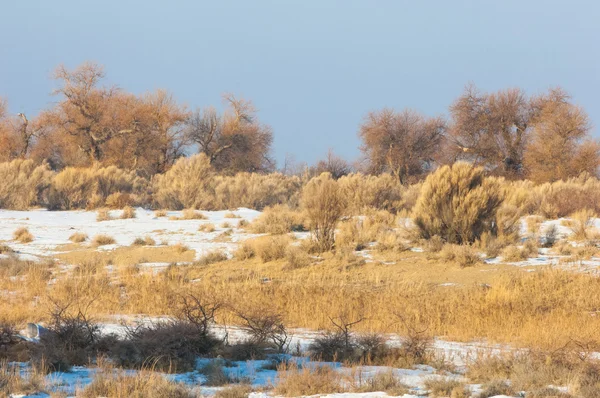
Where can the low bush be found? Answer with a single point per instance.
(78, 237)
(22, 235)
(24, 184)
(386, 382)
(237, 391)
(463, 255)
(102, 240)
(444, 387)
(207, 228)
(128, 212)
(211, 258)
(297, 257)
(496, 387)
(146, 241)
(103, 215)
(277, 220)
(295, 382)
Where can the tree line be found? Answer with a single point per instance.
(544, 137)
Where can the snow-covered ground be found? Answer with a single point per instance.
(51, 229)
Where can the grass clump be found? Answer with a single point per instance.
(78, 237)
(128, 212)
(295, 382)
(207, 228)
(463, 255)
(191, 214)
(444, 387)
(22, 235)
(160, 213)
(103, 215)
(102, 240)
(211, 258)
(146, 241)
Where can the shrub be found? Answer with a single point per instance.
(463, 255)
(128, 212)
(296, 257)
(191, 214)
(24, 184)
(171, 346)
(78, 188)
(144, 384)
(496, 387)
(294, 382)
(211, 258)
(160, 213)
(550, 236)
(457, 203)
(215, 375)
(78, 237)
(22, 235)
(324, 203)
(277, 220)
(581, 224)
(231, 215)
(102, 240)
(268, 248)
(382, 192)
(146, 241)
(386, 381)
(237, 391)
(206, 227)
(103, 215)
(443, 387)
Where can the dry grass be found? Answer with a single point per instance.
(295, 382)
(237, 391)
(146, 241)
(143, 384)
(103, 215)
(267, 248)
(102, 240)
(581, 224)
(191, 214)
(128, 212)
(206, 227)
(160, 213)
(13, 382)
(463, 255)
(277, 220)
(78, 237)
(231, 215)
(443, 387)
(22, 235)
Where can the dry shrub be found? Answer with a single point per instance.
(516, 254)
(225, 225)
(211, 258)
(445, 387)
(231, 215)
(533, 224)
(78, 237)
(385, 381)
(208, 227)
(78, 188)
(143, 384)
(463, 255)
(102, 240)
(297, 257)
(191, 214)
(550, 236)
(22, 235)
(561, 198)
(146, 241)
(457, 203)
(268, 248)
(295, 382)
(186, 185)
(169, 346)
(368, 191)
(582, 223)
(237, 391)
(14, 382)
(103, 215)
(128, 212)
(496, 387)
(277, 220)
(24, 184)
(160, 213)
(508, 223)
(181, 248)
(324, 203)
(357, 233)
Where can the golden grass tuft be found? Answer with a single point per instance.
(102, 240)
(22, 235)
(160, 213)
(208, 227)
(103, 215)
(78, 237)
(128, 212)
(296, 382)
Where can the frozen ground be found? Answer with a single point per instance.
(51, 229)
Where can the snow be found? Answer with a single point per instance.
(51, 229)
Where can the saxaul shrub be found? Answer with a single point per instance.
(24, 184)
(324, 203)
(458, 203)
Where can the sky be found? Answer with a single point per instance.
(313, 68)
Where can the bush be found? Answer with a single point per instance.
(386, 381)
(297, 257)
(581, 224)
(440, 387)
(457, 203)
(24, 184)
(463, 255)
(238, 391)
(144, 384)
(211, 258)
(277, 220)
(102, 240)
(206, 228)
(79, 188)
(191, 214)
(146, 241)
(171, 346)
(324, 203)
(268, 248)
(497, 387)
(294, 382)
(22, 235)
(160, 213)
(128, 212)
(103, 215)
(78, 237)
(382, 192)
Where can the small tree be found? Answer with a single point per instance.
(457, 203)
(324, 203)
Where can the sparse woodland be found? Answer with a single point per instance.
(430, 200)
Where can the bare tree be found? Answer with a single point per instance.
(404, 144)
(491, 129)
(332, 164)
(560, 145)
(234, 141)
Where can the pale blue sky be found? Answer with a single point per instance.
(313, 68)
